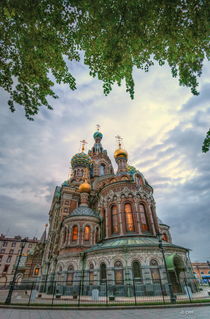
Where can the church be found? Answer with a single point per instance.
(104, 231)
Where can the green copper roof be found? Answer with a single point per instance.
(84, 211)
(130, 242)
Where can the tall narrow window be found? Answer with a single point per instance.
(87, 233)
(115, 224)
(102, 169)
(103, 273)
(136, 268)
(129, 218)
(118, 273)
(96, 235)
(143, 217)
(75, 233)
(155, 272)
(104, 222)
(70, 276)
(91, 274)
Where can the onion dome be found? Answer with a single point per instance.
(97, 135)
(120, 153)
(131, 169)
(80, 159)
(65, 183)
(85, 187)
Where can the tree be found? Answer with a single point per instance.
(38, 37)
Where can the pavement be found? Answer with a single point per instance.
(166, 313)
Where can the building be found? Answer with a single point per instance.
(104, 230)
(201, 270)
(10, 248)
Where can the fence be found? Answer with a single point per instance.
(106, 293)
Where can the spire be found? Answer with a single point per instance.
(44, 235)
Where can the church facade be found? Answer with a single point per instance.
(104, 230)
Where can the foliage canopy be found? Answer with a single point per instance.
(38, 37)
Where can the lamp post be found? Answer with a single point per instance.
(172, 296)
(11, 288)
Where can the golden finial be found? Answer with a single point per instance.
(98, 127)
(83, 142)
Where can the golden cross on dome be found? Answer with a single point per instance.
(98, 127)
(83, 142)
(119, 140)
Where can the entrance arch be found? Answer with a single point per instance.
(175, 266)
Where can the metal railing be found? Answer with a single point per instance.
(106, 292)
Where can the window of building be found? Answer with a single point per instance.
(155, 272)
(136, 268)
(70, 276)
(164, 237)
(75, 233)
(13, 244)
(143, 217)
(11, 251)
(129, 218)
(87, 233)
(102, 170)
(114, 215)
(118, 273)
(208, 272)
(6, 267)
(2, 251)
(5, 244)
(103, 273)
(9, 259)
(1, 258)
(202, 272)
(36, 271)
(96, 235)
(91, 274)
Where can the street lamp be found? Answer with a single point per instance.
(172, 296)
(11, 288)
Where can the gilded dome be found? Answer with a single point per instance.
(80, 159)
(120, 153)
(85, 188)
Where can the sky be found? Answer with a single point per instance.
(162, 128)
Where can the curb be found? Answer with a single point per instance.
(105, 308)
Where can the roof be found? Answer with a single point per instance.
(84, 211)
(139, 241)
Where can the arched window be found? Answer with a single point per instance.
(59, 273)
(143, 217)
(70, 276)
(114, 215)
(36, 271)
(87, 233)
(136, 268)
(103, 273)
(164, 237)
(75, 233)
(118, 273)
(129, 218)
(155, 272)
(91, 274)
(102, 170)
